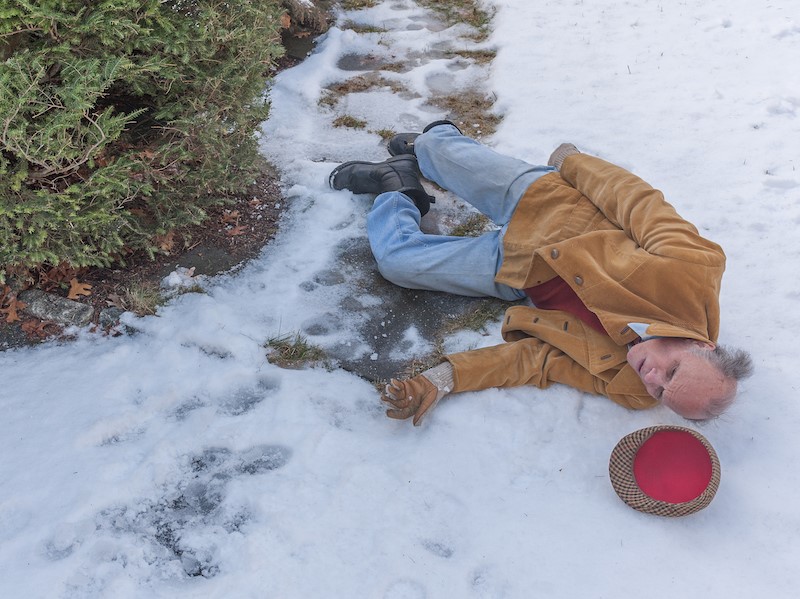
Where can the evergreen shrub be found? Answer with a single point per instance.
(121, 120)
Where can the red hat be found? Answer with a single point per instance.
(665, 470)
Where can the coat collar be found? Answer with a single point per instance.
(662, 329)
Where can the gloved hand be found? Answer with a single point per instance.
(412, 397)
(560, 153)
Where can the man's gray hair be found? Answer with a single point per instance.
(732, 362)
(735, 365)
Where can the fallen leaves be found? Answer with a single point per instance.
(56, 277)
(234, 231)
(231, 221)
(10, 305)
(77, 289)
(40, 329)
(10, 308)
(115, 300)
(166, 242)
(231, 217)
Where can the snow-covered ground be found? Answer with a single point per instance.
(177, 462)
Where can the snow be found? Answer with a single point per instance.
(177, 462)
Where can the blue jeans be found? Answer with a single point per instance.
(492, 183)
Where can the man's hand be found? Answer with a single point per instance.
(412, 397)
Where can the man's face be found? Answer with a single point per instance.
(677, 377)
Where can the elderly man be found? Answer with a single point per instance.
(624, 292)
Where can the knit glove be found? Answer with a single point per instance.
(561, 152)
(416, 396)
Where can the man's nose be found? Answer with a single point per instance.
(653, 376)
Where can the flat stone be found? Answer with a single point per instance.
(109, 317)
(62, 311)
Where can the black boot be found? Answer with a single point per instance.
(399, 173)
(403, 143)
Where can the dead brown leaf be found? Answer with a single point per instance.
(77, 289)
(115, 300)
(11, 309)
(166, 243)
(55, 276)
(39, 328)
(240, 230)
(230, 217)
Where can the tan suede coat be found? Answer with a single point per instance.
(630, 258)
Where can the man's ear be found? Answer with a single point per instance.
(704, 344)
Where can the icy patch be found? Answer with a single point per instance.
(181, 279)
(412, 344)
(183, 529)
(467, 340)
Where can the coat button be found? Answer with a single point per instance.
(554, 254)
(579, 280)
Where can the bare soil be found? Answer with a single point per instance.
(231, 235)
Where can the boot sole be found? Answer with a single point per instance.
(344, 165)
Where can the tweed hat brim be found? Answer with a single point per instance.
(624, 481)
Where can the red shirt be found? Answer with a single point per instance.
(555, 294)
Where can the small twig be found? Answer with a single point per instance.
(27, 30)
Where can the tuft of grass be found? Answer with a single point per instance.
(357, 4)
(463, 11)
(193, 289)
(477, 56)
(471, 110)
(472, 227)
(423, 363)
(362, 28)
(142, 298)
(354, 85)
(349, 121)
(482, 313)
(385, 134)
(328, 99)
(396, 67)
(293, 351)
